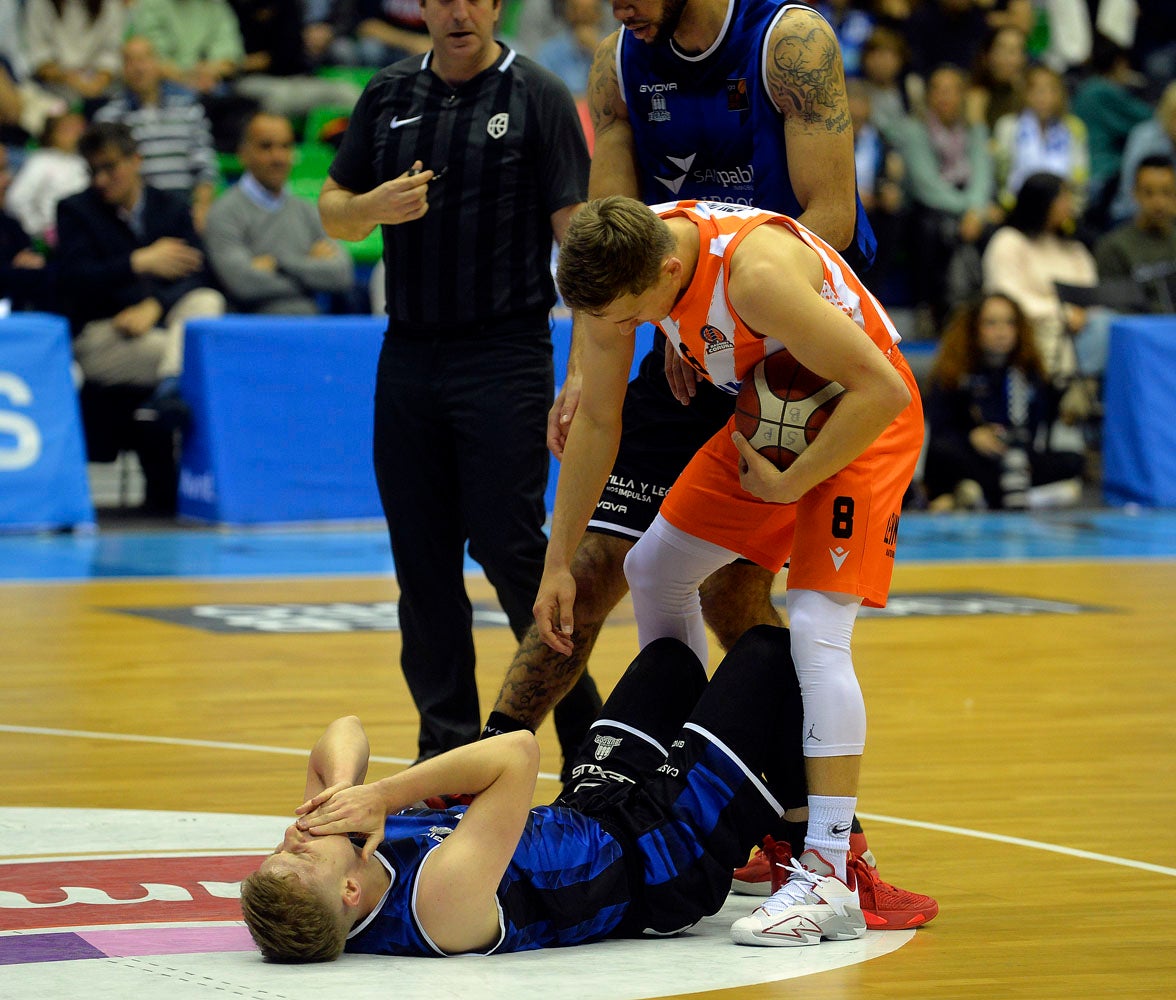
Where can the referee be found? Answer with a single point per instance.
(471, 158)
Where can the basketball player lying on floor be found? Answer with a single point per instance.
(677, 778)
(739, 291)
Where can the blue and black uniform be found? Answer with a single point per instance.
(677, 780)
(704, 127)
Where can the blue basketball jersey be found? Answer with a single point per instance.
(566, 884)
(705, 127)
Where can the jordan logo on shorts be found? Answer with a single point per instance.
(838, 556)
(605, 745)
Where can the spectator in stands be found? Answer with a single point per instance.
(998, 79)
(267, 247)
(880, 174)
(1143, 250)
(1025, 258)
(25, 106)
(852, 25)
(390, 30)
(73, 45)
(945, 31)
(134, 267)
(198, 42)
(885, 58)
(568, 54)
(989, 407)
(276, 68)
(950, 182)
(1154, 137)
(328, 32)
(26, 282)
(52, 172)
(1105, 103)
(1042, 137)
(170, 128)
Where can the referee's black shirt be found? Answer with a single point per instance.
(512, 150)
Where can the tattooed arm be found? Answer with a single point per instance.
(807, 83)
(614, 163)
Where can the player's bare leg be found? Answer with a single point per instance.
(735, 598)
(538, 677)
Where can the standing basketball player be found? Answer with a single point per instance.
(729, 100)
(729, 286)
(465, 374)
(737, 101)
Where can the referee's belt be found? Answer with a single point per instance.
(521, 322)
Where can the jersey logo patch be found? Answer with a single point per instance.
(496, 127)
(658, 111)
(401, 122)
(715, 339)
(838, 556)
(605, 745)
(737, 95)
(683, 164)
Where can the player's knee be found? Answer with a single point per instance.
(598, 569)
(737, 598)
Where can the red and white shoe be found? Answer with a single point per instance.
(756, 877)
(813, 905)
(887, 908)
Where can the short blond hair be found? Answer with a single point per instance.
(290, 921)
(614, 246)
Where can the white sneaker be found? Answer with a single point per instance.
(813, 904)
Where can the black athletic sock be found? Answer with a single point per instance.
(498, 723)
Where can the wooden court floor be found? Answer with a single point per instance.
(1020, 767)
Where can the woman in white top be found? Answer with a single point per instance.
(74, 46)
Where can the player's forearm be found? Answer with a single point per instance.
(832, 219)
(511, 759)
(590, 452)
(341, 753)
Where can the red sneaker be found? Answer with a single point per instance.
(765, 871)
(886, 907)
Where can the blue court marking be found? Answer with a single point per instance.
(323, 551)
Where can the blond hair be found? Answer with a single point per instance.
(614, 246)
(289, 921)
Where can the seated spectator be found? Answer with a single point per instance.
(198, 42)
(885, 58)
(989, 408)
(1025, 258)
(1154, 137)
(880, 173)
(945, 31)
(134, 267)
(1109, 110)
(389, 30)
(170, 129)
(276, 69)
(852, 26)
(998, 78)
(1143, 250)
(1043, 137)
(51, 172)
(26, 282)
(568, 54)
(950, 182)
(267, 247)
(328, 32)
(73, 45)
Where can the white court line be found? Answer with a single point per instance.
(1038, 845)
(872, 817)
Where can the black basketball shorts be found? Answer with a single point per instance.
(659, 436)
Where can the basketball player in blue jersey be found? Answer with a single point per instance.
(725, 100)
(672, 781)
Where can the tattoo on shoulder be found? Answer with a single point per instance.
(604, 94)
(805, 75)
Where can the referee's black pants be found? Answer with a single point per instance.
(460, 454)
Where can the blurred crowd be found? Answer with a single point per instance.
(1014, 157)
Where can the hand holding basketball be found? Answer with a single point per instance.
(760, 477)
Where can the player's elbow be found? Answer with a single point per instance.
(898, 396)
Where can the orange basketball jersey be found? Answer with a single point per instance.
(702, 326)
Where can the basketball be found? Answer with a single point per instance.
(782, 406)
